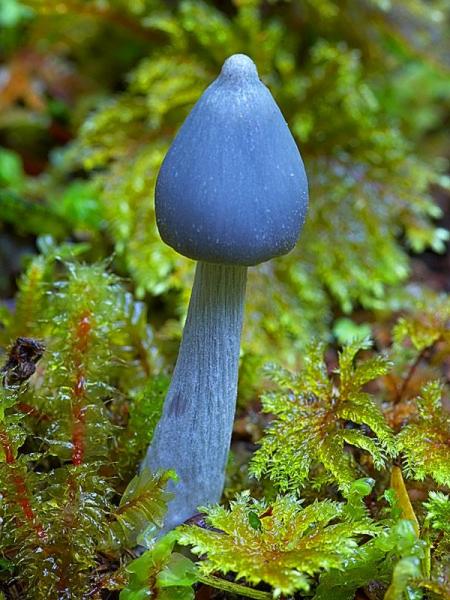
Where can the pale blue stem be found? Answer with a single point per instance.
(194, 433)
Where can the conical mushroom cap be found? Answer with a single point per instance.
(232, 188)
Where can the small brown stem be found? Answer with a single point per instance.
(412, 369)
(143, 358)
(118, 578)
(407, 379)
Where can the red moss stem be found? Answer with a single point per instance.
(78, 433)
(81, 342)
(32, 411)
(20, 486)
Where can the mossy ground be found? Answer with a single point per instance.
(339, 472)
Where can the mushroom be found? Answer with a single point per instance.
(231, 193)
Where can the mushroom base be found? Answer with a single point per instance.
(193, 435)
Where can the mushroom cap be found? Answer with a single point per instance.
(232, 188)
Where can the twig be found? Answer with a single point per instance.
(434, 587)
(398, 484)
(412, 370)
(234, 588)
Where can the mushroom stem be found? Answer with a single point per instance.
(194, 432)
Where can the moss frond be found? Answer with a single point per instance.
(438, 511)
(320, 416)
(424, 443)
(427, 324)
(144, 502)
(281, 543)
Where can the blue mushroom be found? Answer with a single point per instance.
(231, 193)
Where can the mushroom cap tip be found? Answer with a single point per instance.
(239, 66)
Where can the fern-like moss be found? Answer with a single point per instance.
(438, 512)
(281, 543)
(320, 417)
(424, 443)
(427, 324)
